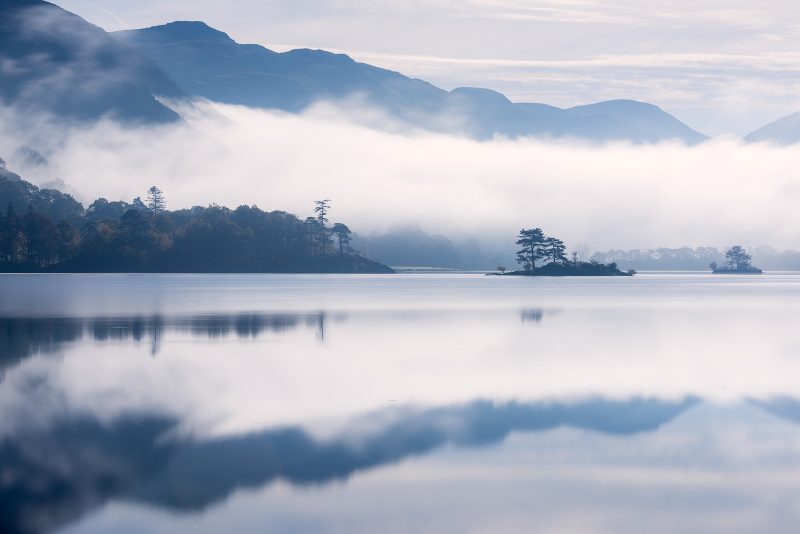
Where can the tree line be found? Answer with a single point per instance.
(143, 236)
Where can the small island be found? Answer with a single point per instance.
(550, 251)
(737, 261)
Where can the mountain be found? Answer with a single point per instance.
(6, 175)
(55, 61)
(784, 131)
(206, 62)
(647, 118)
(52, 60)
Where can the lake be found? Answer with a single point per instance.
(399, 403)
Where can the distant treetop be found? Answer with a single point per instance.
(155, 200)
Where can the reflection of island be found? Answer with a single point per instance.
(50, 480)
(531, 316)
(24, 337)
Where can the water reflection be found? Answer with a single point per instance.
(217, 412)
(27, 336)
(531, 316)
(784, 407)
(52, 477)
(22, 337)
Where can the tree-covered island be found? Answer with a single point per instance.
(44, 230)
(540, 255)
(737, 261)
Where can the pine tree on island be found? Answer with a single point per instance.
(737, 261)
(540, 255)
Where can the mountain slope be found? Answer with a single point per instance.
(7, 175)
(485, 113)
(54, 61)
(784, 131)
(208, 63)
(642, 116)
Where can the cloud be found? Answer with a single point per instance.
(610, 196)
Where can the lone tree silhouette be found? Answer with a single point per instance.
(555, 249)
(342, 233)
(321, 208)
(319, 227)
(737, 258)
(533, 243)
(155, 200)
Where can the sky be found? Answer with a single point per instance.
(723, 67)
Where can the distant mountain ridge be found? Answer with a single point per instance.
(206, 62)
(55, 62)
(784, 131)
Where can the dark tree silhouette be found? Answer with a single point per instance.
(532, 243)
(138, 204)
(536, 246)
(155, 200)
(737, 258)
(342, 233)
(321, 208)
(103, 209)
(11, 237)
(130, 237)
(42, 243)
(317, 236)
(320, 229)
(68, 239)
(555, 250)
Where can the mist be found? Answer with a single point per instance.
(605, 196)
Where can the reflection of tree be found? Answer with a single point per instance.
(21, 338)
(318, 321)
(54, 481)
(531, 316)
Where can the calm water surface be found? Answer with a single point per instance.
(407, 403)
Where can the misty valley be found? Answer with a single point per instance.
(399, 267)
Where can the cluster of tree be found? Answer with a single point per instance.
(737, 260)
(321, 236)
(551, 252)
(535, 246)
(54, 233)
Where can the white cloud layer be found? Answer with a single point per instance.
(610, 196)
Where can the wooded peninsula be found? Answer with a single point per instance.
(44, 230)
